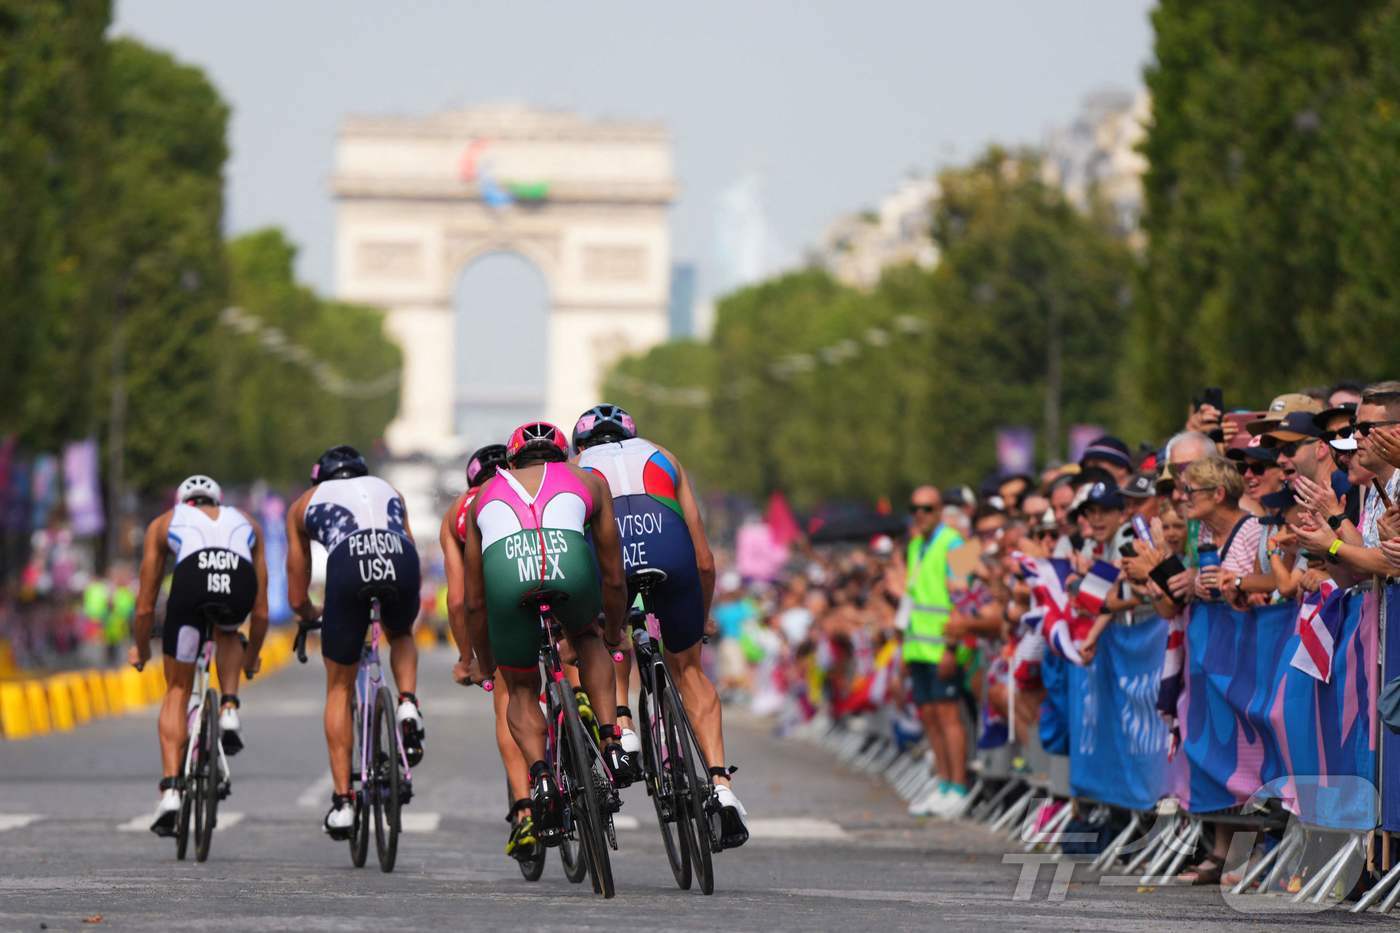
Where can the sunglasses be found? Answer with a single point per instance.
(1189, 491)
(1289, 449)
(1256, 468)
(1364, 428)
(1046, 534)
(1344, 431)
(915, 507)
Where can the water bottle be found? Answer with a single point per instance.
(1208, 556)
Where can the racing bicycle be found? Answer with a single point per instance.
(204, 772)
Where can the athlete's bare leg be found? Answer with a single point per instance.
(174, 712)
(517, 769)
(701, 704)
(340, 686)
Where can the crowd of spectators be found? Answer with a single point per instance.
(1249, 507)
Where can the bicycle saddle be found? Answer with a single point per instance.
(537, 598)
(384, 592)
(217, 614)
(644, 581)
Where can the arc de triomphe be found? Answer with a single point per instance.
(418, 199)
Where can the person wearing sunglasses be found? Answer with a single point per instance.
(930, 662)
(1262, 474)
(1294, 441)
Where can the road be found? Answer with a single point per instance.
(831, 849)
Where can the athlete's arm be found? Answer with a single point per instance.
(608, 545)
(455, 570)
(474, 598)
(299, 561)
(704, 557)
(406, 530)
(153, 551)
(257, 622)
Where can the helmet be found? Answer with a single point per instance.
(538, 437)
(600, 423)
(199, 486)
(339, 463)
(483, 464)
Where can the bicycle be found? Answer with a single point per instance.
(205, 778)
(670, 751)
(576, 762)
(378, 761)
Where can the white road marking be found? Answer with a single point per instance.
(137, 823)
(228, 820)
(419, 822)
(624, 821)
(17, 820)
(794, 827)
(318, 793)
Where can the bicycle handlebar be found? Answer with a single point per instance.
(299, 645)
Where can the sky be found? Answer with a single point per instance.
(784, 114)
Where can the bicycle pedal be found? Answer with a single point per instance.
(225, 789)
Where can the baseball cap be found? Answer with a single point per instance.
(1282, 405)
(1320, 420)
(1110, 449)
(1294, 426)
(1254, 450)
(1140, 486)
(1105, 495)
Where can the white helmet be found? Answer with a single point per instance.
(199, 486)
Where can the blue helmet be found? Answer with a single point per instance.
(603, 423)
(339, 463)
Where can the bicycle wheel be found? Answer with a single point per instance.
(359, 834)
(387, 774)
(182, 822)
(585, 802)
(695, 791)
(575, 860)
(208, 800)
(659, 789)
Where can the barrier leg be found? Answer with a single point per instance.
(1110, 854)
(1013, 812)
(1317, 878)
(1051, 826)
(1287, 849)
(1165, 850)
(1382, 886)
(987, 808)
(1151, 844)
(1188, 845)
(1257, 869)
(1319, 884)
(1391, 898)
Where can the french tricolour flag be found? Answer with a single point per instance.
(1319, 624)
(1095, 587)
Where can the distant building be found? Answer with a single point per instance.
(857, 248)
(681, 308)
(1097, 153)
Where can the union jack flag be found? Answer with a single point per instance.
(1319, 624)
(1049, 587)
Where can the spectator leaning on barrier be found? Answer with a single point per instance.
(1211, 488)
(930, 664)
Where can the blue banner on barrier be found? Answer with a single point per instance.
(1118, 742)
(1390, 742)
(1054, 710)
(1251, 720)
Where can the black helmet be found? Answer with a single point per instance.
(339, 463)
(484, 463)
(601, 423)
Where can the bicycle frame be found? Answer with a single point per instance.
(552, 677)
(367, 683)
(195, 711)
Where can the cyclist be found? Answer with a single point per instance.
(218, 560)
(659, 523)
(363, 524)
(524, 535)
(481, 468)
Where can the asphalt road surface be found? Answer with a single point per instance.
(830, 849)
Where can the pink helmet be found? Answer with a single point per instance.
(538, 437)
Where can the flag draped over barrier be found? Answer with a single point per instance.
(1250, 720)
(1118, 742)
(1390, 741)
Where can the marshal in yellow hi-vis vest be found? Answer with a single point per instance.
(928, 595)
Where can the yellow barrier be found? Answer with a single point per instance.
(152, 683)
(38, 707)
(96, 689)
(14, 712)
(133, 688)
(425, 636)
(116, 697)
(78, 694)
(60, 703)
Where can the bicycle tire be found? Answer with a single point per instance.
(182, 822)
(586, 805)
(387, 768)
(658, 786)
(359, 833)
(575, 860)
(696, 791)
(209, 777)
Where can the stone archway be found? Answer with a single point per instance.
(418, 199)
